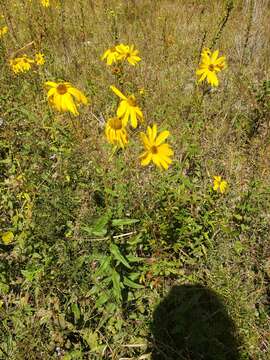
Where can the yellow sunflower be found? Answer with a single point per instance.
(128, 108)
(210, 65)
(21, 64)
(126, 52)
(219, 184)
(62, 95)
(45, 3)
(115, 132)
(39, 58)
(111, 56)
(3, 31)
(155, 149)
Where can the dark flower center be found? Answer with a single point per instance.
(131, 100)
(116, 123)
(154, 149)
(211, 67)
(61, 89)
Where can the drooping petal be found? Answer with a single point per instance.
(79, 96)
(69, 104)
(122, 108)
(57, 101)
(163, 163)
(64, 101)
(200, 71)
(118, 92)
(139, 113)
(220, 60)
(223, 186)
(126, 117)
(131, 61)
(204, 75)
(105, 54)
(212, 78)
(51, 92)
(156, 160)
(133, 118)
(167, 159)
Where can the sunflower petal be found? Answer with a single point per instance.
(145, 158)
(118, 92)
(162, 137)
(51, 83)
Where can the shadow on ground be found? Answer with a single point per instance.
(192, 323)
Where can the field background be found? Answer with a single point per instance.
(82, 278)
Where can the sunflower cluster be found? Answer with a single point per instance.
(130, 113)
(156, 150)
(64, 97)
(24, 63)
(120, 53)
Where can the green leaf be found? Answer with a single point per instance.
(238, 247)
(135, 240)
(104, 266)
(31, 274)
(4, 288)
(134, 276)
(132, 284)
(99, 228)
(101, 300)
(29, 114)
(117, 285)
(76, 311)
(73, 355)
(132, 258)
(121, 222)
(118, 256)
(91, 338)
